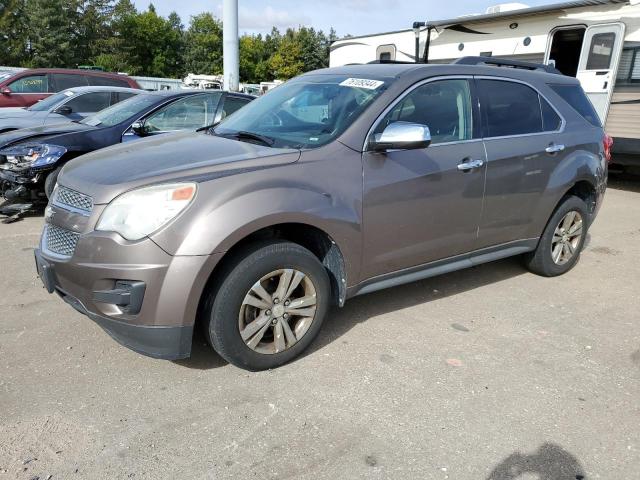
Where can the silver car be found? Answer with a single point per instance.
(69, 105)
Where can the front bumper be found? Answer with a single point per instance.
(161, 324)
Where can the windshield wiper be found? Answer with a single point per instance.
(207, 127)
(268, 141)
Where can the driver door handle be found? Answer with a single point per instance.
(469, 164)
(554, 148)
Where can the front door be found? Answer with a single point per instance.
(598, 65)
(422, 205)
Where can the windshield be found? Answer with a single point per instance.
(305, 113)
(4, 75)
(121, 111)
(51, 101)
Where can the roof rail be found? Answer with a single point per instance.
(502, 62)
(388, 61)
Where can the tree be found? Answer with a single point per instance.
(13, 33)
(53, 32)
(203, 45)
(287, 62)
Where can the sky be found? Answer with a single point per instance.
(355, 17)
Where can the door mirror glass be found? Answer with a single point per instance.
(63, 110)
(139, 128)
(6, 91)
(401, 136)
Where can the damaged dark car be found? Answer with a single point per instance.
(31, 158)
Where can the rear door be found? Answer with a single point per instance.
(598, 65)
(524, 142)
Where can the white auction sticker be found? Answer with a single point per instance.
(361, 83)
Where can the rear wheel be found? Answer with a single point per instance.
(562, 240)
(269, 306)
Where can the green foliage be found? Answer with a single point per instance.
(113, 34)
(203, 45)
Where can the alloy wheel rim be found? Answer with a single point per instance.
(277, 311)
(566, 238)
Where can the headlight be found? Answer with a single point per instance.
(141, 212)
(33, 155)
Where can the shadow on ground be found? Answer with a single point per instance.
(549, 462)
(360, 309)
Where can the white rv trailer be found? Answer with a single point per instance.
(597, 41)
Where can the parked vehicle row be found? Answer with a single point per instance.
(340, 182)
(31, 158)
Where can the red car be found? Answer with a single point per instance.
(25, 88)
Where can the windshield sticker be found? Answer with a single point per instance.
(68, 93)
(362, 83)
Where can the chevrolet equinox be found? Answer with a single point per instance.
(340, 182)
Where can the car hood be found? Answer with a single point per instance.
(105, 174)
(47, 133)
(15, 112)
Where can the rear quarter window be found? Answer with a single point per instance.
(577, 99)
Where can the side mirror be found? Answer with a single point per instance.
(139, 128)
(401, 136)
(63, 110)
(6, 91)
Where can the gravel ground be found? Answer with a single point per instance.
(490, 373)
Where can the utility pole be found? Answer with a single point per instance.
(230, 45)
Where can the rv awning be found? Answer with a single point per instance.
(522, 12)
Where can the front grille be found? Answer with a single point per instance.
(70, 198)
(60, 241)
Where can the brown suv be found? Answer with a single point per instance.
(340, 182)
(27, 87)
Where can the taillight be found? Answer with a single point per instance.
(607, 143)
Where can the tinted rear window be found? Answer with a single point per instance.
(575, 96)
(107, 82)
(511, 108)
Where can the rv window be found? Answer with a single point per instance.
(575, 96)
(601, 51)
(511, 108)
(629, 69)
(443, 106)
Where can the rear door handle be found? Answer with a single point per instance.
(554, 148)
(469, 164)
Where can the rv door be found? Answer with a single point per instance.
(598, 65)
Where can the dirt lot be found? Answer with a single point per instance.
(490, 373)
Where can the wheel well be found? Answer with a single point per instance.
(312, 238)
(585, 191)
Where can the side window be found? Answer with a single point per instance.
(62, 81)
(601, 51)
(551, 121)
(231, 104)
(185, 114)
(97, 81)
(30, 84)
(444, 106)
(575, 96)
(510, 108)
(90, 102)
(120, 96)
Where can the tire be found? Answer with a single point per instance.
(50, 182)
(541, 261)
(227, 313)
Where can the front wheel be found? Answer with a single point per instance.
(269, 307)
(50, 181)
(561, 243)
